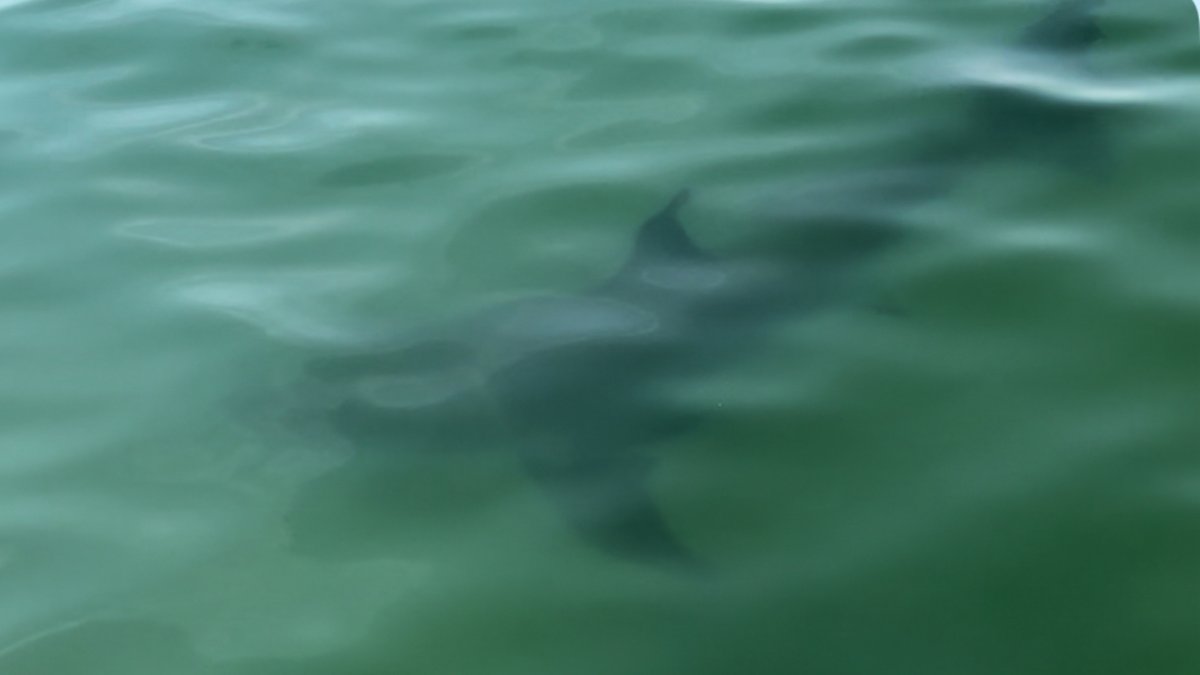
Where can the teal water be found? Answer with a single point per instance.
(998, 474)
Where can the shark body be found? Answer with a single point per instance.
(575, 382)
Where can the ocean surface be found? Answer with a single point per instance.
(224, 225)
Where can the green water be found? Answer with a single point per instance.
(199, 199)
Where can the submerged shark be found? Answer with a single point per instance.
(574, 383)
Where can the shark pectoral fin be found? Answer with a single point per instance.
(609, 503)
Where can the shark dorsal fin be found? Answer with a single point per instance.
(661, 243)
(662, 236)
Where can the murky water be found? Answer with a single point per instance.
(343, 338)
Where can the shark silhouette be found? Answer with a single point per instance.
(575, 382)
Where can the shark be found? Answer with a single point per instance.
(574, 383)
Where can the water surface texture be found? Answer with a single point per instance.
(343, 338)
